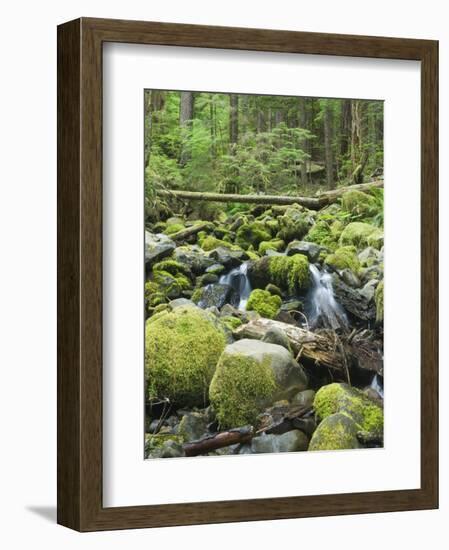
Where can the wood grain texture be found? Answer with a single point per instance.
(80, 274)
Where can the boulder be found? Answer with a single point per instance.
(337, 431)
(228, 257)
(303, 398)
(157, 247)
(289, 273)
(163, 445)
(193, 426)
(361, 235)
(275, 335)
(182, 348)
(353, 300)
(311, 250)
(266, 304)
(216, 295)
(288, 442)
(250, 376)
(194, 257)
(369, 256)
(341, 398)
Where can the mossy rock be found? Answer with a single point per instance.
(361, 235)
(231, 322)
(274, 244)
(273, 289)
(318, 232)
(250, 376)
(182, 348)
(264, 303)
(174, 228)
(358, 203)
(163, 445)
(344, 257)
(336, 432)
(170, 285)
(379, 299)
(341, 398)
(173, 267)
(294, 224)
(290, 273)
(211, 243)
(252, 234)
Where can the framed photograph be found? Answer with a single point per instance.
(247, 274)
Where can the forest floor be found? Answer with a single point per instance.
(264, 329)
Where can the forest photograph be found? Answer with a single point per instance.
(264, 268)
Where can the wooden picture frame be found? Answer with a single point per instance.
(80, 504)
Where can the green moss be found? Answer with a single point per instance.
(266, 304)
(379, 299)
(273, 225)
(252, 234)
(357, 203)
(336, 229)
(155, 442)
(210, 243)
(196, 296)
(240, 388)
(181, 351)
(174, 228)
(338, 431)
(273, 289)
(289, 272)
(341, 398)
(319, 232)
(293, 224)
(361, 234)
(170, 285)
(274, 244)
(231, 322)
(154, 296)
(252, 255)
(171, 266)
(344, 257)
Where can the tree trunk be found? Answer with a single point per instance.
(233, 119)
(315, 348)
(185, 118)
(313, 203)
(302, 104)
(186, 108)
(328, 152)
(356, 133)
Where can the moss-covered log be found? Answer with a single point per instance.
(313, 203)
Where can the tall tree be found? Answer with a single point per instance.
(328, 121)
(304, 145)
(185, 118)
(186, 108)
(233, 119)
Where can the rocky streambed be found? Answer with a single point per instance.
(264, 331)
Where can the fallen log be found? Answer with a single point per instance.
(218, 441)
(319, 349)
(184, 234)
(313, 203)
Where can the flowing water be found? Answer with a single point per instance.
(377, 385)
(324, 310)
(238, 279)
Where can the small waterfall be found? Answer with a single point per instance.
(377, 385)
(324, 309)
(238, 279)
